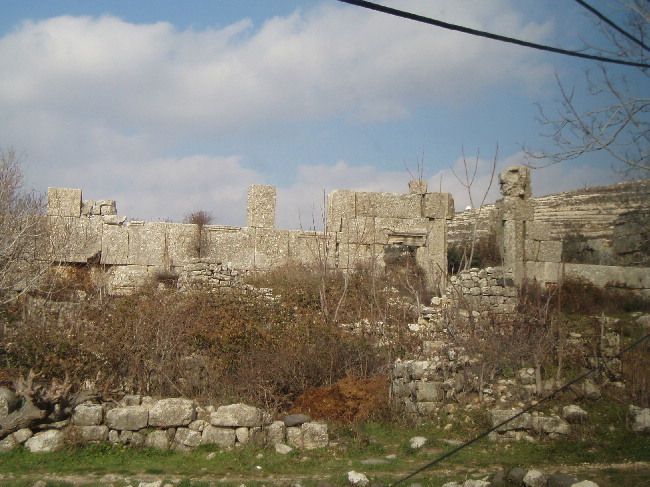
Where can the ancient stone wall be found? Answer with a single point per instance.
(170, 424)
(609, 224)
(360, 226)
(484, 290)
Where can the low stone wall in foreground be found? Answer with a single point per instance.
(171, 424)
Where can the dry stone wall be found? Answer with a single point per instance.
(170, 424)
(484, 290)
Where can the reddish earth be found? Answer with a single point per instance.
(349, 400)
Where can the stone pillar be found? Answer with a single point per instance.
(64, 202)
(514, 210)
(418, 187)
(261, 206)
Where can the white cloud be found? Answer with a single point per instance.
(326, 61)
(170, 188)
(106, 105)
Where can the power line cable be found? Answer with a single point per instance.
(488, 35)
(546, 398)
(612, 24)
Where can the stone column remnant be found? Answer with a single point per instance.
(261, 206)
(515, 209)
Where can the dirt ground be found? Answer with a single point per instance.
(349, 400)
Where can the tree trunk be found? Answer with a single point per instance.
(26, 417)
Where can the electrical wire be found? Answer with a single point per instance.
(612, 24)
(488, 35)
(546, 398)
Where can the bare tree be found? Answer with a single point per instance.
(200, 218)
(22, 227)
(620, 123)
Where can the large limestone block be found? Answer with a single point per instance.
(9, 401)
(45, 441)
(276, 433)
(418, 186)
(234, 245)
(271, 248)
(179, 243)
(497, 416)
(172, 412)
(93, 433)
(314, 435)
(239, 415)
(188, 437)
(115, 245)
(341, 205)
(516, 209)
(131, 418)
(536, 230)
(87, 414)
(126, 279)
(260, 210)
(147, 244)
(574, 414)
(388, 205)
(438, 206)
(429, 392)
(223, 437)
(159, 440)
(544, 251)
(312, 247)
(64, 202)
(74, 239)
(294, 436)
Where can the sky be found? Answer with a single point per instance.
(171, 107)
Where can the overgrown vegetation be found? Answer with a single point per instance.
(243, 345)
(485, 254)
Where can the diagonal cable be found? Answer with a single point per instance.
(488, 35)
(546, 398)
(612, 24)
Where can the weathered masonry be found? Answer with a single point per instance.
(361, 228)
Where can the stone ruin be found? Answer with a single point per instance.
(360, 228)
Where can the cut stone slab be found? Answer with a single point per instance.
(45, 441)
(157, 439)
(93, 433)
(173, 412)
(314, 435)
(239, 415)
(188, 437)
(130, 418)
(223, 437)
(88, 414)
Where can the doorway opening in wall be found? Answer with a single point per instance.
(405, 274)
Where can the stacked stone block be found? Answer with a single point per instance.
(173, 423)
(485, 290)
